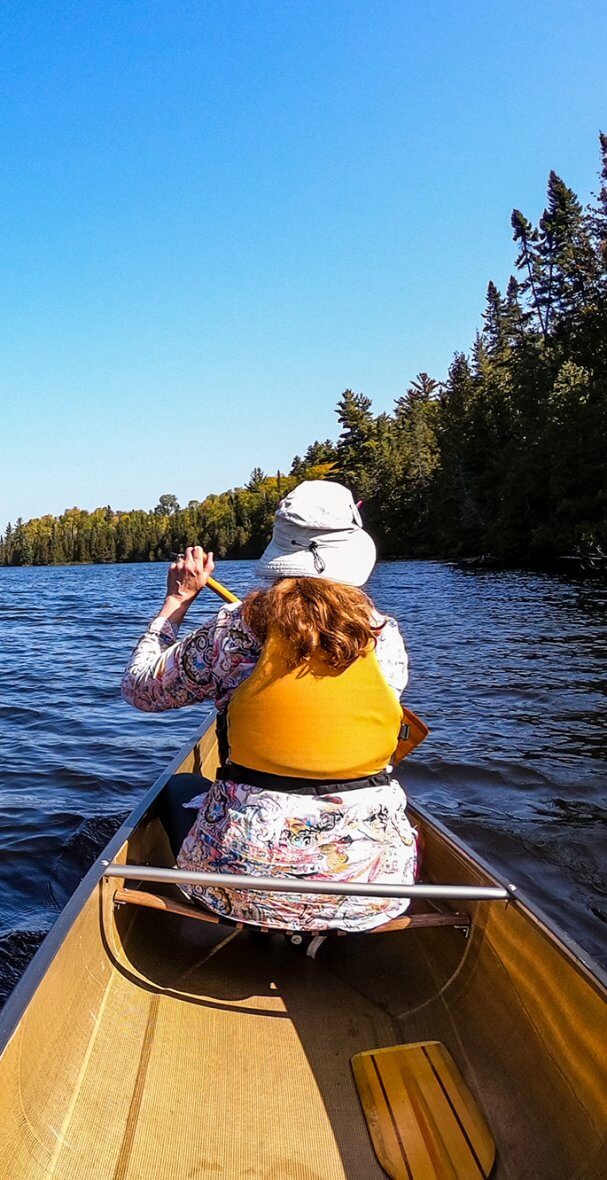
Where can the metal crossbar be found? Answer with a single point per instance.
(293, 885)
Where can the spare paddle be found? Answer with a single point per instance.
(413, 729)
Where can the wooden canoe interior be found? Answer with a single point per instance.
(158, 1048)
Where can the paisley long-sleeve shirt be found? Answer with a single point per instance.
(359, 835)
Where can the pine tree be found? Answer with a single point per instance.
(459, 524)
(598, 213)
(319, 453)
(514, 317)
(6, 556)
(356, 443)
(298, 467)
(568, 258)
(528, 260)
(256, 479)
(495, 322)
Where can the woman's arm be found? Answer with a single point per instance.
(156, 677)
(392, 655)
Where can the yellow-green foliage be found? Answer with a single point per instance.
(236, 523)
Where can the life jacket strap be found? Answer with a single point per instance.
(221, 731)
(299, 786)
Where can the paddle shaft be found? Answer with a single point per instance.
(222, 591)
(213, 584)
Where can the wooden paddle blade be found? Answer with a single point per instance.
(413, 731)
(423, 1120)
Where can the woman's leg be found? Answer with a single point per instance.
(175, 818)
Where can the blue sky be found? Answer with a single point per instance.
(216, 216)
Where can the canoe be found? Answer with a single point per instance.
(145, 1045)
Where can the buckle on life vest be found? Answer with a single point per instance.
(412, 732)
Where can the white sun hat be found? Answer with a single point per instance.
(318, 533)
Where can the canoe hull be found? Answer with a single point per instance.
(141, 1044)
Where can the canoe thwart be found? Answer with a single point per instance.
(297, 885)
(424, 1122)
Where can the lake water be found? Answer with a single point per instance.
(507, 668)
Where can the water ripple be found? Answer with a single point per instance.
(508, 669)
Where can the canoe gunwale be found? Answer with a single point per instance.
(21, 995)
(23, 991)
(548, 927)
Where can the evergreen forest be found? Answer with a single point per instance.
(505, 457)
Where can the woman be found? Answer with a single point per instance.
(308, 676)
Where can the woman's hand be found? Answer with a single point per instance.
(187, 576)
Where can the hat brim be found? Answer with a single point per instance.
(351, 561)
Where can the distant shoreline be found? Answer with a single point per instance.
(561, 566)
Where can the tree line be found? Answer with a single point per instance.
(506, 456)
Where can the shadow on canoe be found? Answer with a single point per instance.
(150, 1045)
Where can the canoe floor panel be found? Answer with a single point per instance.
(252, 1081)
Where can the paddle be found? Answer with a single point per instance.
(222, 591)
(413, 730)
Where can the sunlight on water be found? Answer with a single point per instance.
(507, 668)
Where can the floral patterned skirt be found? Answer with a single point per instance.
(360, 835)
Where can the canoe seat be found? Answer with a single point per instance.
(140, 897)
(423, 1120)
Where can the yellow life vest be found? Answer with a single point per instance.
(313, 721)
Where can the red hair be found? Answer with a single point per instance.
(314, 616)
